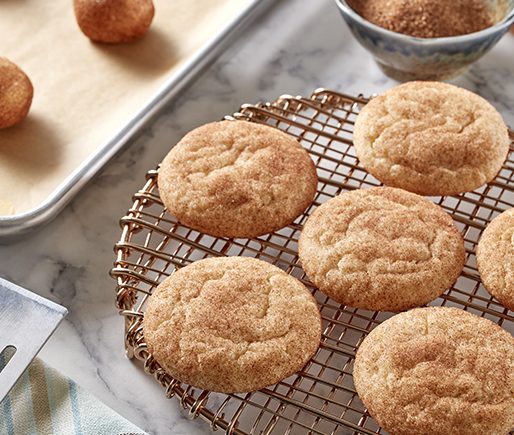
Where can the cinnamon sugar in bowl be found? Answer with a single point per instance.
(427, 39)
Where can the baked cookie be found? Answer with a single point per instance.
(237, 179)
(16, 94)
(114, 21)
(382, 249)
(438, 371)
(232, 324)
(431, 138)
(495, 258)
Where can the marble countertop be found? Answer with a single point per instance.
(293, 48)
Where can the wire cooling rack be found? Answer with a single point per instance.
(321, 398)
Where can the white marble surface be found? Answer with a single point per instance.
(297, 46)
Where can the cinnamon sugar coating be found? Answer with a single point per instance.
(438, 371)
(16, 94)
(232, 324)
(382, 249)
(114, 21)
(431, 138)
(237, 179)
(426, 18)
(495, 258)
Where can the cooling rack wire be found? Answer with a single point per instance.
(320, 399)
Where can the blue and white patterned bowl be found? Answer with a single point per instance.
(405, 57)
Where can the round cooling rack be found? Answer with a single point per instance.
(321, 398)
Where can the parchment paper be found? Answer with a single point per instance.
(84, 93)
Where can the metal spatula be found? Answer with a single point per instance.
(26, 322)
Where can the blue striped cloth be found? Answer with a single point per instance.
(44, 402)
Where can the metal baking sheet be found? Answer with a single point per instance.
(17, 224)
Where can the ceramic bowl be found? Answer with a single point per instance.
(405, 57)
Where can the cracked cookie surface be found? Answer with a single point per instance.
(438, 371)
(232, 324)
(382, 249)
(495, 258)
(237, 179)
(431, 138)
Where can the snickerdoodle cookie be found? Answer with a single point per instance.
(114, 21)
(237, 179)
(232, 324)
(16, 94)
(438, 371)
(431, 138)
(381, 249)
(495, 258)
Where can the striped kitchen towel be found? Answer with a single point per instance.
(44, 402)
